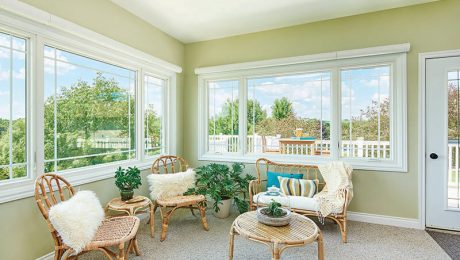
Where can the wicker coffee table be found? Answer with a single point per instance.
(131, 209)
(299, 232)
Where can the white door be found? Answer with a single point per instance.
(442, 143)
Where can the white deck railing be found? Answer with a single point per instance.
(358, 148)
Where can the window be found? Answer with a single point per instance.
(350, 108)
(155, 89)
(78, 106)
(13, 93)
(89, 111)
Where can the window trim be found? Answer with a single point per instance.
(42, 28)
(393, 55)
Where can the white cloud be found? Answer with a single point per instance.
(5, 74)
(62, 67)
(21, 74)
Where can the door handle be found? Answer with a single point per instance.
(433, 156)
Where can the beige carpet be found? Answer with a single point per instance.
(187, 240)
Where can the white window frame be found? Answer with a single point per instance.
(42, 28)
(334, 62)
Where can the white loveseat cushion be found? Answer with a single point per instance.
(297, 202)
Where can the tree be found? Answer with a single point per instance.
(85, 109)
(282, 108)
(227, 122)
(367, 124)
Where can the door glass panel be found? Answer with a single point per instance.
(453, 189)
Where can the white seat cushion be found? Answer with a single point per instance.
(297, 202)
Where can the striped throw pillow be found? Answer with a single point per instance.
(297, 187)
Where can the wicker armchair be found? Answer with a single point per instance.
(50, 189)
(310, 172)
(170, 165)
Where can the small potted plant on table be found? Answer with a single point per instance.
(223, 183)
(273, 208)
(127, 180)
(274, 215)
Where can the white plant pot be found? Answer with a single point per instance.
(224, 209)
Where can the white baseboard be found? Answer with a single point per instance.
(385, 220)
(49, 256)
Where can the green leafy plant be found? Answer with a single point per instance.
(274, 210)
(222, 182)
(128, 179)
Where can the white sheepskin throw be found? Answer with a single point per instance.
(163, 186)
(77, 219)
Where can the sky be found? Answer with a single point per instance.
(310, 93)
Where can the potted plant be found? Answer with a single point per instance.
(127, 180)
(223, 183)
(273, 214)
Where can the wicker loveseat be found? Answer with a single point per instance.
(302, 205)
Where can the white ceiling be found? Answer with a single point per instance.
(199, 20)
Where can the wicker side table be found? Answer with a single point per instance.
(132, 209)
(299, 232)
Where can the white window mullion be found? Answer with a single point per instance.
(10, 124)
(336, 93)
(242, 119)
(38, 105)
(139, 86)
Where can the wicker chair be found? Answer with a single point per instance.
(50, 189)
(170, 165)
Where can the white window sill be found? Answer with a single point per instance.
(369, 165)
(24, 188)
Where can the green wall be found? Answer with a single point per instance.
(427, 27)
(24, 234)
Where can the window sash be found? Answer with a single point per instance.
(130, 76)
(11, 50)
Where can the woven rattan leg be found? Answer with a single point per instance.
(121, 252)
(276, 252)
(231, 244)
(203, 217)
(136, 247)
(320, 246)
(165, 223)
(344, 230)
(152, 209)
(106, 252)
(57, 254)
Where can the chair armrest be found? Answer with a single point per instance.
(254, 188)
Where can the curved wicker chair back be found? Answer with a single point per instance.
(50, 189)
(169, 164)
(310, 172)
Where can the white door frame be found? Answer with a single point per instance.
(422, 57)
